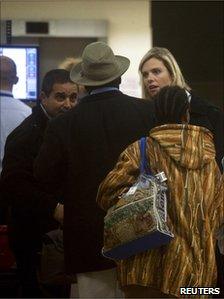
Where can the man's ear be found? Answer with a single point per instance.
(16, 79)
(43, 97)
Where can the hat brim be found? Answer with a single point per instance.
(77, 76)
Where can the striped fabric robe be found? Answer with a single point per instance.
(186, 154)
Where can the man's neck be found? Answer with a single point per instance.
(6, 87)
(103, 89)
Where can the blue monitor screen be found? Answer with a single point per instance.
(26, 59)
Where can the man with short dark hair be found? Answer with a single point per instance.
(30, 211)
(79, 149)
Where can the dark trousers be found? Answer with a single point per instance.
(136, 291)
(220, 273)
(27, 265)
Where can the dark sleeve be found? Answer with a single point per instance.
(19, 188)
(49, 165)
(216, 118)
(211, 117)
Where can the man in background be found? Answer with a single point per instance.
(79, 149)
(30, 212)
(12, 111)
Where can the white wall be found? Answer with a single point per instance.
(129, 31)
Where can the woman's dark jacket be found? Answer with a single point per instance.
(205, 114)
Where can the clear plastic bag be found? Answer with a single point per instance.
(138, 221)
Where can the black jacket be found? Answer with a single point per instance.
(30, 207)
(78, 151)
(205, 114)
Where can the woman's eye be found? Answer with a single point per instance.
(156, 71)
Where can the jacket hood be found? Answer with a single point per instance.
(189, 146)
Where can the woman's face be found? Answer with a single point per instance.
(155, 76)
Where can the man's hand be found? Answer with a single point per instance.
(59, 213)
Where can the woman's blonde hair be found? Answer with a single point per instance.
(170, 63)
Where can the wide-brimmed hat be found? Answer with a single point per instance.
(99, 65)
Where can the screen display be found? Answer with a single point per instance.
(27, 63)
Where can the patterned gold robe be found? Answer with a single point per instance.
(186, 154)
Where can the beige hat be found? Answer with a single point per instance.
(99, 65)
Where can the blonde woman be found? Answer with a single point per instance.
(159, 68)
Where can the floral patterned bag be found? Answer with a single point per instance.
(138, 221)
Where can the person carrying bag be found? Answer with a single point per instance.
(195, 207)
(138, 221)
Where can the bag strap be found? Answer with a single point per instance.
(144, 166)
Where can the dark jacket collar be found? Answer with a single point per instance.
(40, 117)
(100, 96)
(198, 105)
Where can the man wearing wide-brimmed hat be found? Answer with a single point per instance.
(79, 149)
